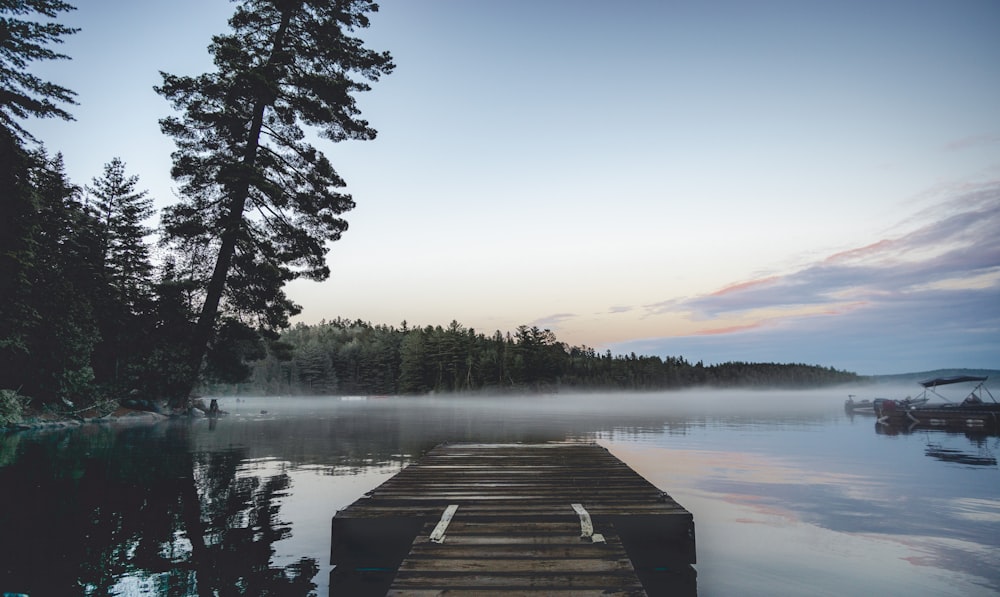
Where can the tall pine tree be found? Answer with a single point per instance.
(26, 34)
(64, 286)
(125, 309)
(122, 211)
(263, 199)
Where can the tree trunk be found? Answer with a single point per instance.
(234, 224)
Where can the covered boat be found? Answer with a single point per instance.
(972, 412)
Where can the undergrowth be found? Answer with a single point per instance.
(12, 407)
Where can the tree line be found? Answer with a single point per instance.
(357, 358)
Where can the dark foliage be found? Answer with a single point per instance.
(126, 301)
(45, 236)
(59, 289)
(119, 510)
(23, 41)
(260, 203)
(343, 357)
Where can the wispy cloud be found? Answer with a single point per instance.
(932, 290)
(553, 320)
(730, 329)
(744, 286)
(962, 242)
(972, 141)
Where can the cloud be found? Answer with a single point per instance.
(930, 294)
(743, 286)
(962, 242)
(553, 320)
(619, 309)
(973, 141)
(731, 329)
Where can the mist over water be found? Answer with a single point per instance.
(790, 495)
(597, 408)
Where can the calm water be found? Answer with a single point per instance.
(790, 496)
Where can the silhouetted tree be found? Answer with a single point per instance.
(63, 284)
(124, 312)
(23, 95)
(122, 212)
(262, 198)
(162, 372)
(358, 358)
(413, 363)
(18, 254)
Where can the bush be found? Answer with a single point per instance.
(12, 407)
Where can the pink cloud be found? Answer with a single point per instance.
(860, 252)
(743, 286)
(729, 329)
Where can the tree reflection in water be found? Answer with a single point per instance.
(128, 520)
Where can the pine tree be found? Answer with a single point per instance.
(22, 41)
(261, 198)
(23, 95)
(63, 286)
(122, 212)
(413, 362)
(18, 256)
(125, 310)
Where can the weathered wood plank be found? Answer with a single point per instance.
(509, 539)
(507, 592)
(488, 547)
(627, 579)
(501, 509)
(595, 563)
(513, 527)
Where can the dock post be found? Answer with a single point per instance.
(366, 553)
(662, 550)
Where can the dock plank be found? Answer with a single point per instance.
(553, 591)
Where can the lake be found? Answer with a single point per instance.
(790, 495)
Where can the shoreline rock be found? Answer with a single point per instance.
(46, 421)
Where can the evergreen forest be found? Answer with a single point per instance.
(358, 358)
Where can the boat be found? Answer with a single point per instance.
(867, 407)
(852, 406)
(973, 412)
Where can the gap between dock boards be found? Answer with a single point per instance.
(530, 519)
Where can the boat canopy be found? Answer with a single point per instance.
(943, 381)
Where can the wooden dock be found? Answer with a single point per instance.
(514, 519)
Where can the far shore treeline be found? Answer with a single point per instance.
(354, 357)
(97, 305)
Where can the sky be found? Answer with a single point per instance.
(767, 181)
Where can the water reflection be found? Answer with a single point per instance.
(946, 445)
(758, 510)
(959, 456)
(123, 518)
(788, 494)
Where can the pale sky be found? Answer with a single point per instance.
(775, 181)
